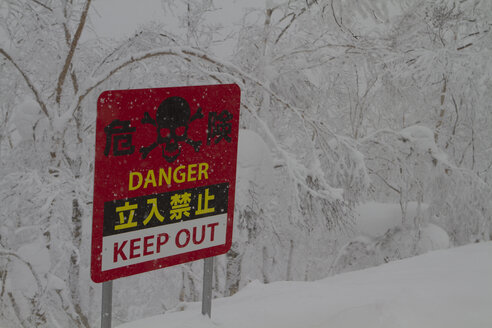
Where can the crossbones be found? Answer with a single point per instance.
(172, 121)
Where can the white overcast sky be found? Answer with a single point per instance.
(120, 18)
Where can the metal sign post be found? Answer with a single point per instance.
(208, 273)
(107, 304)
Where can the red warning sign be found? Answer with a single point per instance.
(164, 177)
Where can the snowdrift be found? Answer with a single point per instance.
(445, 288)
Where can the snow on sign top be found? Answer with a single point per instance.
(164, 180)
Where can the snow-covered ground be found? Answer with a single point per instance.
(446, 288)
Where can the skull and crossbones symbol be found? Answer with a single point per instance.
(172, 121)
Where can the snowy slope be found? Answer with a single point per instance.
(447, 288)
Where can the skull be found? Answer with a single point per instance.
(171, 120)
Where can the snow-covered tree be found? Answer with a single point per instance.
(342, 101)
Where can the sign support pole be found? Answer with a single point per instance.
(208, 273)
(107, 304)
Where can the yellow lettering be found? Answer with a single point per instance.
(203, 206)
(150, 179)
(192, 172)
(202, 170)
(182, 175)
(131, 185)
(129, 223)
(166, 177)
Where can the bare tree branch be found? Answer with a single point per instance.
(294, 17)
(28, 82)
(75, 83)
(464, 47)
(442, 111)
(453, 133)
(68, 37)
(384, 181)
(340, 24)
(71, 52)
(334, 15)
(42, 5)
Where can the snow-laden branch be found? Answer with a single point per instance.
(312, 50)
(61, 121)
(26, 263)
(28, 82)
(227, 70)
(295, 169)
(373, 136)
(188, 55)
